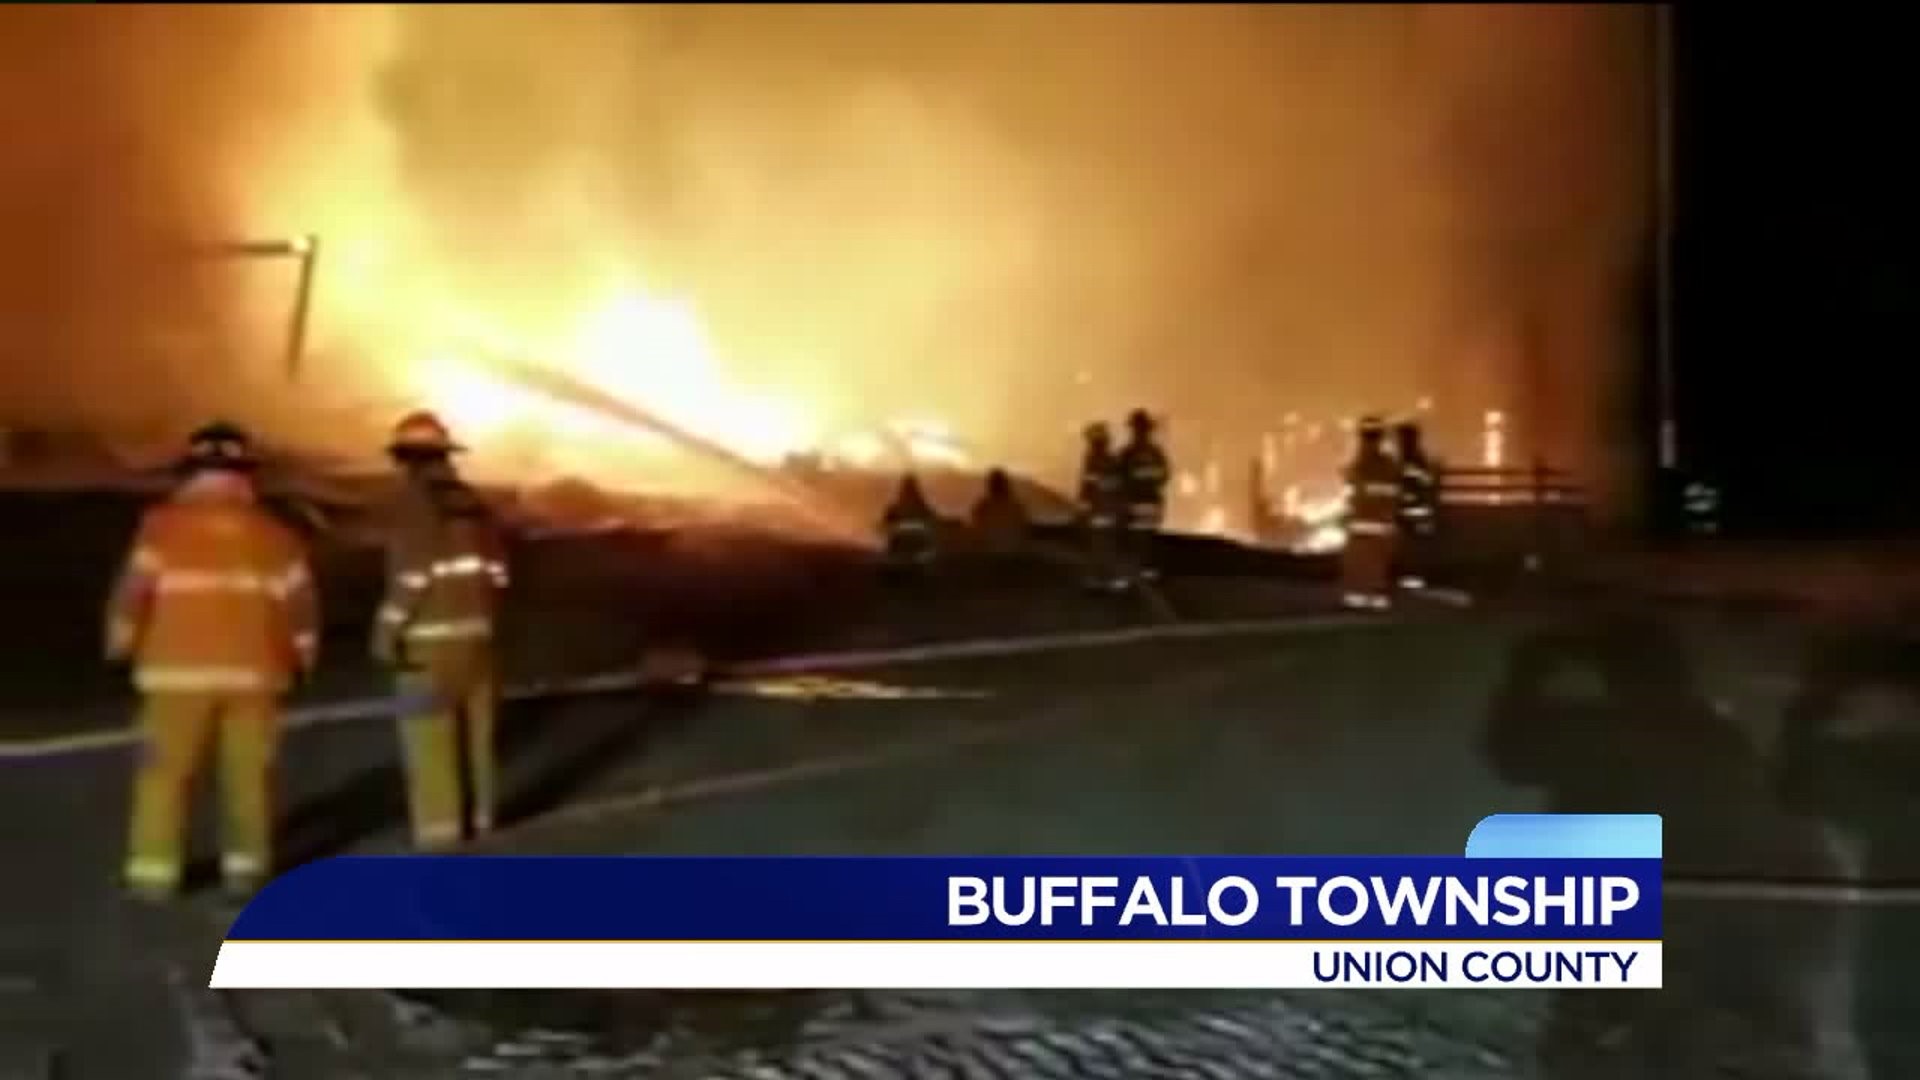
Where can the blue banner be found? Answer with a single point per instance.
(1587, 897)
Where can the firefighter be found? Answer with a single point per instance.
(1419, 505)
(216, 610)
(998, 518)
(446, 568)
(908, 526)
(1265, 518)
(1373, 504)
(1100, 498)
(1143, 478)
(1700, 504)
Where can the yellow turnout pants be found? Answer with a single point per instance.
(448, 746)
(176, 730)
(1366, 565)
(1103, 565)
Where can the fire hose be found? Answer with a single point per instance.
(631, 679)
(837, 521)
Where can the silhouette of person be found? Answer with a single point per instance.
(910, 529)
(999, 519)
(1750, 990)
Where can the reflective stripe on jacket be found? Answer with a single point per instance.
(446, 566)
(1143, 467)
(215, 596)
(910, 530)
(1101, 487)
(1419, 496)
(1143, 477)
(1373, 495)
(1419, 484)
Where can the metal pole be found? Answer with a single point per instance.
(1663, 194)
(308, 250)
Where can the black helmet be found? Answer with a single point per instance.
(999, 483)
(1140, 420)
(1371, 429)
(219, 445)
(1097, 432)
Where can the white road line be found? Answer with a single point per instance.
(730, 783)
(381, 707)
(748, 781)
(985, 648)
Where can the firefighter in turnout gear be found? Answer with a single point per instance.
(216, 610)
(999, 520)
(909, 525)
(1373, 510)
(1143, 482)
(1700, 505)
(1419, 505)
(446, 569)
(1102, 501)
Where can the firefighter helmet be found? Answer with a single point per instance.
(1372, 428)
(219, 445)
(421, 434)
(1097, 432)
(1140, 421)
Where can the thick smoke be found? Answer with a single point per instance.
(135, 137)
(1015, 217)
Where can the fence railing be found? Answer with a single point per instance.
(1535, 485)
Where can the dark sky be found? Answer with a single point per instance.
(1795, 256)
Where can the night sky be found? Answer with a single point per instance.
(1795, 265)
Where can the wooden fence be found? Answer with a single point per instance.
(1536, 485)
(1502, 515)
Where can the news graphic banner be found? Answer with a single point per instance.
(1536, 901)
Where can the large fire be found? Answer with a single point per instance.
(649, 350)
(653, 353)
(615, 383)
(635, 378)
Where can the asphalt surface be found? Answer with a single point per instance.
(1388, 739)
(75, 961)
(581, 602)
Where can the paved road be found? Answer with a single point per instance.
(1364, 741)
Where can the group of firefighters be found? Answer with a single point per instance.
(1122, 504)
(1122, 500)
(216, 612)
(1393, 496)
(1393, 503)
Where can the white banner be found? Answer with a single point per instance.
(912, 965)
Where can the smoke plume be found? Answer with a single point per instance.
(135, 138)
